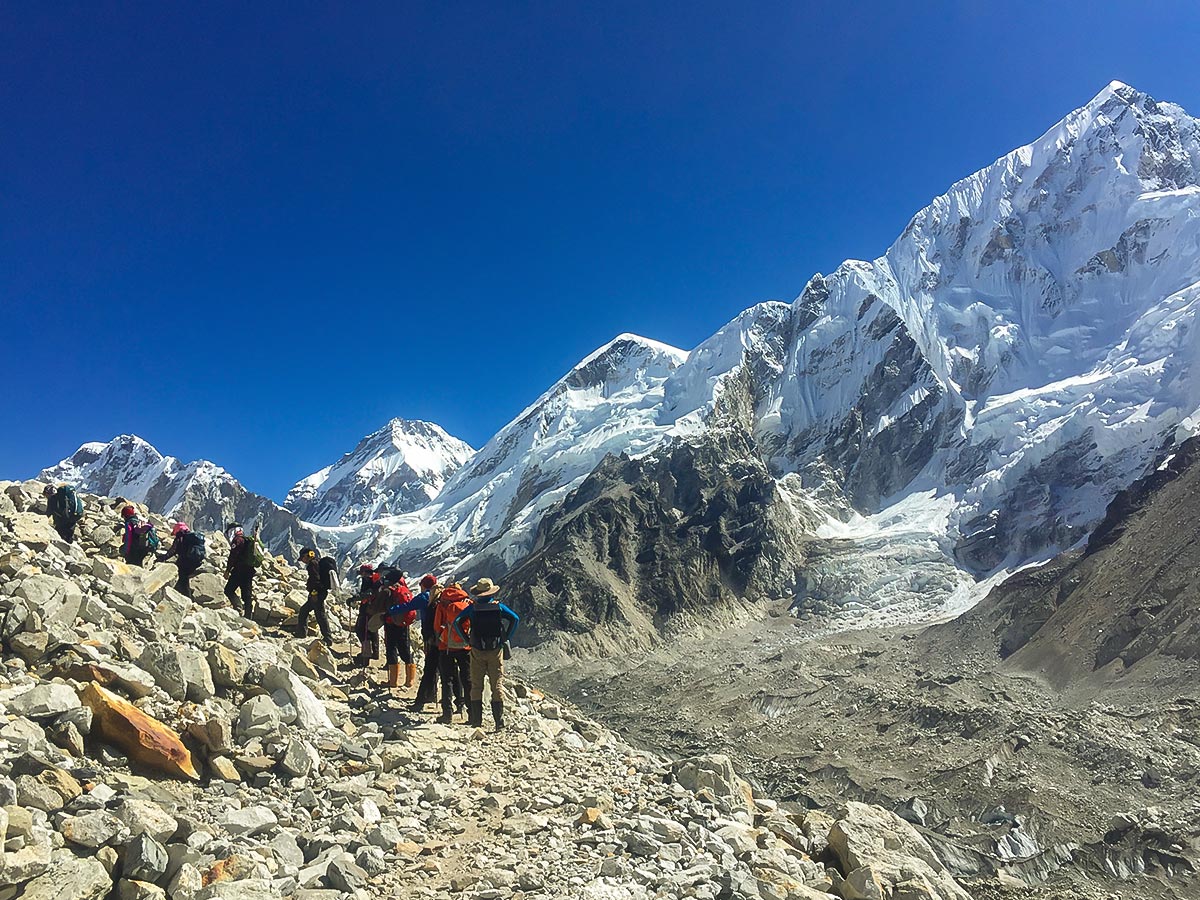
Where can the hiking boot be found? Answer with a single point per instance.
(475, 714)
(497, 713)
(394, 675)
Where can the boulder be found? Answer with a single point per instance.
(129, 889)
(310, 712)
(182, 672)
(259, 716)
(92, 830)
(136, 585)
(56, 601)
(144, 739)
(246, 889)
(878, 848)
(135, 682)
(145, 859)
(44, 701)
(33, 531)
(715, 774)
(144, 817)
(228, 668)
(69, 878)
(249, 821)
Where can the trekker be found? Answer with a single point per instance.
(322, 578)
(139, 540)
(396, 636)
(244, 558)
(424, 605)
(189, 551)
(490, 624)
(454, 663)
(65, 509)
(370, 583)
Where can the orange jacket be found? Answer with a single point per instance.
(452, 601)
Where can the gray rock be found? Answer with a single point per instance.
(182, 672)
(92, 830)
(69, 878)
(250, 821)
(144, 817)
(128, 889)
(56, 600)
(44, 701)
(145, 859)
(258, 717)
(344, 874)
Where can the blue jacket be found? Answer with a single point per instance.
(508, 620)
(421, 604)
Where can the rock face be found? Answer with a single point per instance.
(1130, 595)
(396, 470)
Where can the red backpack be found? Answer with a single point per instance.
(401, 595)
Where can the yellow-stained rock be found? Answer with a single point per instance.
(144, 739)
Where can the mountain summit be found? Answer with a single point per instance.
(397, 469)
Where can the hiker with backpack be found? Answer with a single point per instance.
(245, 556)
(65, 509)
(486, 625)
(396, 635)
(454, 663)
(139, 540)
(424, 605)
(188, 548)
(322, 579)
(370, 585)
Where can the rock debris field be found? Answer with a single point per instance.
(155, 746)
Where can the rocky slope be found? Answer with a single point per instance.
(1049, 732)
(162, 747)
(398, 469)
(200, 493)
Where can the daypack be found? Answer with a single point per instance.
(326, 567)
(254, 553)
(488, 629)
(400, 595)
(68, 504)
(191, 548)
(144, 537)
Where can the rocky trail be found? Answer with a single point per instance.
(158, 746)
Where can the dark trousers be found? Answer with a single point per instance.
(427, 689)
(367, 638)
(184, 584)
(65, 529)
(241, 580)
(455, 666)
(395, 638)
(315, 604)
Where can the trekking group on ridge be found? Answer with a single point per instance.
(464, 634)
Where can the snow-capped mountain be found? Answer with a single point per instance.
(979, 392)
(199, 493)
(608, 403)
(398, 469)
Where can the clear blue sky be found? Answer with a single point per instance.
(253, 232)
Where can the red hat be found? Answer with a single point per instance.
(128, 512)
(427, 582)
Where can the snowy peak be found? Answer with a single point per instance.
(126, 466)
(397, 469)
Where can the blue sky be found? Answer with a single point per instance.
(254, 232)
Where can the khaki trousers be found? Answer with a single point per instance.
(489, 664)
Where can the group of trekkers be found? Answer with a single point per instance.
(465, 638)
(464, 634)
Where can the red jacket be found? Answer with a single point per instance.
(452, 602)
